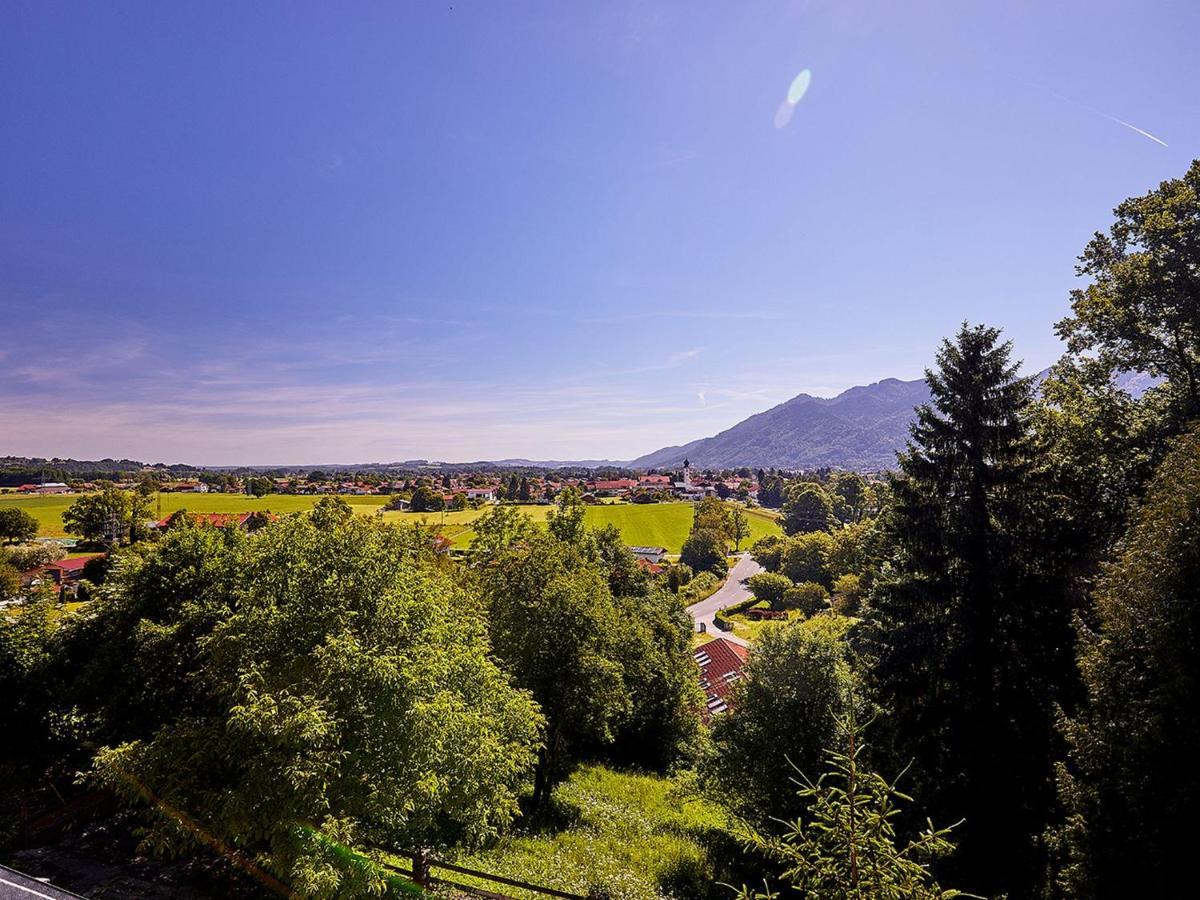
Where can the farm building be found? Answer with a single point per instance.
(649, 554)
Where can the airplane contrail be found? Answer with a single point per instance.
(1134, 128)
(1099, 112)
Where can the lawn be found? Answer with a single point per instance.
(48, 509)
(641, 524)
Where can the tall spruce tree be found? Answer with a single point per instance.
(969, 635)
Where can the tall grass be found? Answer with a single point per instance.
(617, 835)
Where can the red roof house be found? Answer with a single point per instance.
(721, 662)
(218, 520)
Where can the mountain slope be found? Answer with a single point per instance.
(861, 428)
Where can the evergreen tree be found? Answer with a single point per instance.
(848, 848)
(970, 635)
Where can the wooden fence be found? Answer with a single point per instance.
(423, 868)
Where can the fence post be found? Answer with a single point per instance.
(420, 868)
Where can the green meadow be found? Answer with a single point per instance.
(651, 524)
(48, 509)
(641, 524)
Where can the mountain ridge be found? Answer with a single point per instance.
(860, 428)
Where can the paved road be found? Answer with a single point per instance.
(730, 592)
(16, 886)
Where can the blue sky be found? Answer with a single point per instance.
(289, 233)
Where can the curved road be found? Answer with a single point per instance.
(730, 592)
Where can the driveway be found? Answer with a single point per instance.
(16, 885)
(729, 593)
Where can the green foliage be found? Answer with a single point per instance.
(703, 585)
(259, 486)
(566, 519)
(678, 577)
(16, 525)
(712, 514)
(347, 700)
(25, 654)
(808, 597)
(739, 526)
(971, 624)
(499, 529)
(10, 580)
(616, 835)
(853, 499)
(783, 713)
(704, 551)
(426, 499)
(769, 586)
(24, 557)
(847, 595)
(805, 557)
(109, 517)
(136, 661)
(768, 552)
(807, 508)
(845, 846)
(1129, 786)
(1139, 313)
(611, 671)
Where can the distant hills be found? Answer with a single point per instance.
(861, 429)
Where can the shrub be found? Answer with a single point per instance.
(678, 577)
(808, 597)
(769, 586)
(701, 586)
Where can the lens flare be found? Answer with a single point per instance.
(796, 91)
(799, 87)
(783, 115)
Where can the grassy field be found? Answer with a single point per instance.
(48, 509)
(648, 524)
(638, 837)
(641, 524)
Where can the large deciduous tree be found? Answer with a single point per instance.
(349, 700)
(109, 517)
(807, 508)
(1130, 786)
(1141, 311)
(704, 551)
(17, 525)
